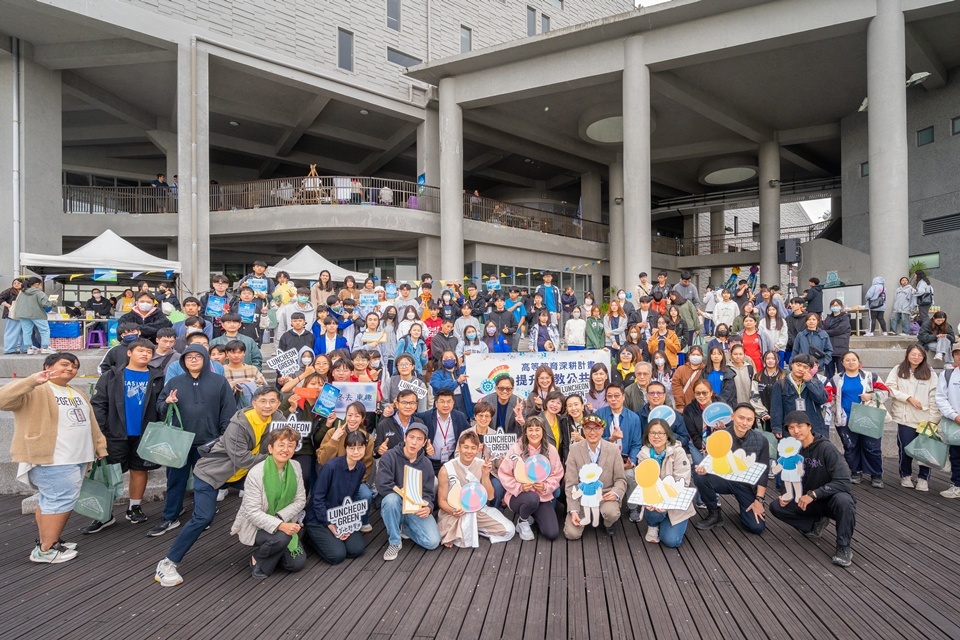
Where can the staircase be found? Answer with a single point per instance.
(880, 354)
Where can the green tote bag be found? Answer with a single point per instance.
(949, 432)
(96, 494)
(165, 444)
(926, 449)
(867, 420)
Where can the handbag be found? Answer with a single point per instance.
(925, 299)
(866, 419)
(926, 449)
(949, 432)
(96, 494)
(164, 444)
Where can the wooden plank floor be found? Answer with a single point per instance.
(905, 583)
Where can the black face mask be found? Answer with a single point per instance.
(723, 334)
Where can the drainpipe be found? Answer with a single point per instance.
(17, 74)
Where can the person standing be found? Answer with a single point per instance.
(551, 297)
(12, 335)
(913, 399)
(904, 304)
(55, 438)
(876, 298)
(32, 314)
(924, 296)
(948, 402)
(813, 298)
(837, 326)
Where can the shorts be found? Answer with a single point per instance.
(59, 486)
(123, 451)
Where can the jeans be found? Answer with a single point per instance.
(423, 531)
(204, 509)
(364, 492)
(332, 549)
(177, 486)
(270, 549)
(26, 330)
(671, 535)
(906, 435)
(861, 452)
(695, 454)
(527, 505)
(923, 313)
(708, 326)
(13, 336)
(900, 322)
(498, 493)
(834, 366)
(941, 346)
(840, 507)
(785, 358)
(955, 466)
(710, 485)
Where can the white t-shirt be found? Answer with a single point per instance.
(74, 441)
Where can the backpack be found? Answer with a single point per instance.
(925, 299)
(879, 301)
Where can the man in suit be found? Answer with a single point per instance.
(444, 426)
(594, 449)
(505, 405)
(623, 430)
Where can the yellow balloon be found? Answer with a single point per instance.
(647, 473)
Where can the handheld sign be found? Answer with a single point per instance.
(412, 491)
(493, 284)
(663, 412)
(390, 290)
(215, 306)
(499, 443)
(326, 400)
(304, 428)
(247, 311)
(662, 493)
(735, 466)
(473, 497)
(537, 467)
(717, 414)
(362, 392)
(368, 300)
(286, 362)
(413, 385)
(348, 517)
(259, 285)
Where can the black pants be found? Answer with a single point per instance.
(528, 506)
(331, 548)
(875, 317)
(840, 507)
(271, 550)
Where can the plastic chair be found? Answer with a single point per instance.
(96, 338)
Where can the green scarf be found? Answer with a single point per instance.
(280, 493)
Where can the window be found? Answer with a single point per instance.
(929, 260)
(531, 21)
(557, 3)
(402, 59)
(864, 169)
(925, 136)
(466, 39)
(955, 126)
(544, 23)
(393, 14)
(345, 49)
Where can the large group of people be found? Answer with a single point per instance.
(424, 454)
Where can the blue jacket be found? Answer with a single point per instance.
(783, 400)
(320, 344)
(807, 339)
(630, 426)
(419, 352)
(679, 427)
(442, 379)
(334, 482)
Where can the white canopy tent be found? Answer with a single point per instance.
(106, 251)
(307, 264)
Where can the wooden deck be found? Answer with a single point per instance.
(725, 584)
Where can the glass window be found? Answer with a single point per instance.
(406, 269)
(925, 136)
(345, 49)
(864, 169)
(393, 14)
(466, 39)
(929, 260)
(402, 59)
(531, 21)
(544, 23)
(557, 3)
(955, 126)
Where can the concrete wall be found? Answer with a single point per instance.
(934, 189)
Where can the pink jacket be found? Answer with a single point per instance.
(510, 484)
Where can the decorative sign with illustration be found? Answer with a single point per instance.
(348, 517)
(717, 414)
(499, 443)
(789, 465)
(259, 285)
(735, 466)
(215, 306)
(304, 428)
(286, 362)
(412, 491)
(589, 492)
(350, 392)
(247, 311)
(571, 370)
(390, 290)
(368, 300)
(326, 400)
(413, 385)
(657, 492)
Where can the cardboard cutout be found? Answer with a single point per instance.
(735, 466)
(287, 363)
(348, 517)
(473, 497)
(589, 492)
(790, 467)
(412, 491)
(660, 493)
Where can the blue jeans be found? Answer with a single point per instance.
(204, 508)
(710, 485)
(906, 435)
(423, 531)
(900, 322)
(861, 452)
(708, 327)
(671, 535)
(695, 454)
(498, 493)
(43, 327)
(785, 358)
(364, 492)
(177, 486)
(13, 336)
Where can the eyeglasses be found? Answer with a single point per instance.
(657, 434)
(193, 356)
(407, 403)
(504, 388)
(702, 394)
(655, 393)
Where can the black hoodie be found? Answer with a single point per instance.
(109, 401)
(206, 402)
(824, 469)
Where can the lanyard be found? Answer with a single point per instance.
(444, 432)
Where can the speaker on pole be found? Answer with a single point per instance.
(788, 251)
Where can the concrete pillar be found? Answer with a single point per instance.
(428, 257)
(591, 196)
(618, 277)
(718, 231)
(428, 156)
(836, 208)
(769, 212)
(636, 161)
(887, 132)
(9, 260)
(451, 181)
(193, 163)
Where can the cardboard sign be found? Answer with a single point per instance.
(259, 285)
(571, 370)
(493, 284)
(326, 400)
(499, 443)
(735, 466)
(304, 428)
(286, 362)
(350, 392)
(104, 275)
(348, 517)
(247, 311)
(390, 290)
(368, 300)
(215, 306)
(412, 491)
(415, 386)
(662, 493)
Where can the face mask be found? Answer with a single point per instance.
(446, 298)
(374, 364)
(622, 295)
(96, 296)
(391, 316)
(588, 302)
(449, 364)
(633, 335)
(659, 361)
(145, 306)
(836, 309)
(471, 336)
(491, 330)
(306, 362)
(696, 359)
(303, 299)
(411, 316)
(576, 315)
(722, 333)
(130, 338)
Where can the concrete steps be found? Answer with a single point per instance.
(880, 354)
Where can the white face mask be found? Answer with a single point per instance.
(696, 359)
(576, 315)
(659, 361)
(145, 306)
(622, 295)
(634, 335)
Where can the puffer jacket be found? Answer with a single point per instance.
(901, 411)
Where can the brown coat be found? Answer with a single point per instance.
(677, 466)
(35, 418)
(610, 461)
(330, 449)
(671, 345)
(681, 377)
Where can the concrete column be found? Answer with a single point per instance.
(887, 132)
(718, 231)
(451, 181)
(636, 161)
(9, 261)
(769, 212)
(618, 277)
(428, 257)
(591, 196)
(836, 208)
(428, 155)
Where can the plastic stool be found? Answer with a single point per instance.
(96, 338)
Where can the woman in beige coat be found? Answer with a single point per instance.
(913, 391)
(666, 527)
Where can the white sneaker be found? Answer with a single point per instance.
(367, 528)
(906, 482)
(524, 529)
(47, 351)
(868, 334)
(653, 534)
(392, 552)
(32, 351)
(922, 485)
(222, 495)
(938, 356)
(167, 574)
(54, 555)
(952, 492)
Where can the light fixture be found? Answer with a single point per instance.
(918, 78)
(732, 170)
(234, 123)
(546, 108)
(603, 124)
(364, 112)
(775, 183)
(618, 201)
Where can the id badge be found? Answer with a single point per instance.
(801, 404)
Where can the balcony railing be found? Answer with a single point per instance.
(728, 242)
(521, 217)
(119, 199)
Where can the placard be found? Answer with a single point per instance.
(571, 370)
(735, 466)
(247, 311)
(327, 400)
(286, 362)
(348, 517)
(259, 285)
(368, 300)
(416, 386)
(104, 275)
(303, 427)
(390, 290)
(493, 284)
(215, 306)
(499, 443)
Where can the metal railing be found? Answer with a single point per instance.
(520, 217)
(78, 199)
(729, 242)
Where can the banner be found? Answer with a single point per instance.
(571, 370)
(105, 275)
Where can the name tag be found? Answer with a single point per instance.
(801, 404)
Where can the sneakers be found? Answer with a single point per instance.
(952, 492)
(32, 351)
(938, 356)
(367, 528)
(54, 555)
(257, 574)
(610, 531)
(392, 552)
(167, 574)
(525, 531)
(855, 478)
(908, 482)
(876, 482)
(403, 535)
(653, 534)
(222, 495)
(97, 526)
(162, 528)
(868, 334)
(922, 485)
(714, 519)
(47, 351)
(818, 528)
(136, 515)
(843, 557)
(634, 514)
(65, 545)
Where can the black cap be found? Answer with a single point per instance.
(796, 417)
